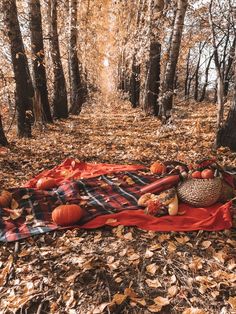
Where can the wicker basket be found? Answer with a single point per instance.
(200, 192)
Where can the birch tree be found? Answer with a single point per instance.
(169, 76)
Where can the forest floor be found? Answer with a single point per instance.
(122, 269)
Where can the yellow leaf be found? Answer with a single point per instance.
(148, 254)
(155, 283)
(133, 257)
(118, 298)
(163, 237)
(14, 204)
(154, 308)
(193, 310)
(182, 240)
(172, 291)
(220, 256)
(5, 271)
(232, 302)
(171, 247)
(152, 268)
(155, 247)
(206, 244)
(130, 293)
(196, 264)
(128, 236)
(161, 301)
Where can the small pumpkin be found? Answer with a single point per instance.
(5, 199)
(46, 183)
(158, 168)
(66, 215)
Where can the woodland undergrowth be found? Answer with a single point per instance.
(123, 269)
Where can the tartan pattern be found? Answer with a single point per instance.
(100, 195)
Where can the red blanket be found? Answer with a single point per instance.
(111, 201)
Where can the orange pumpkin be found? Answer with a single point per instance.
(5, 199)
(158, 168)
(66, 215)
(46, 183)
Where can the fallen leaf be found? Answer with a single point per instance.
(206, 244)
(14, 204)
(128, 236)
(193, 310)
(152, 268)
(148, 254)
(182, 240)
(155, 283)
(6, 270)
(232, 302)
(133, 257)
(172, 291)
(171, 247)
(118, 299)
(196, 264)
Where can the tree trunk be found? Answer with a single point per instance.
(196, 86)
(220, 83)
(226, 135)
(77, 93)
(135, 84)
(186, 89)
(24, 88)
(229, 67)
(3, 139)
(169, 77)
(203, 95)
(40, 80)
(59, 103)
(152, 85)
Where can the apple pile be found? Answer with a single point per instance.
(204, 174)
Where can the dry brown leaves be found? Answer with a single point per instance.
(119, 270)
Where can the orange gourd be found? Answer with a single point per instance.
(158, 168)
(5, 199)
(46, 183)
(66, 215)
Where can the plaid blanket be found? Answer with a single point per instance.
(108, 199)
(106, 194)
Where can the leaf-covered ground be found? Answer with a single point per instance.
(124, 269)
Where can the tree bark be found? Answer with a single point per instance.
(169, 77)
(152, 86)
(135, 84)
(24, 88)
(59, 102)
(203, 94)
(77, 92)
(39, 72)
(3, 139)
(226, 135)
(196, 86)
(220, 83)
(229, 67)
(186, 86)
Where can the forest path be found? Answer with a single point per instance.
(84, 270)
(109, 130)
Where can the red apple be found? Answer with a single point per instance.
(207, 174)
(196, 175)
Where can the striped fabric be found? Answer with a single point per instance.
(101, 195)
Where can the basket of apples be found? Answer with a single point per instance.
(202, 188)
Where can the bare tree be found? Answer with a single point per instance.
(77, 91)
(24, 88)
(59, 102)
(169, 77)
(39, 72)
